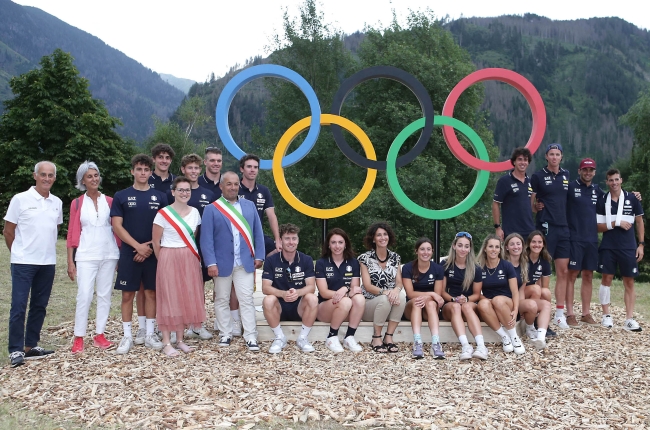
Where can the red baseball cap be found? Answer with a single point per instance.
(587, 163)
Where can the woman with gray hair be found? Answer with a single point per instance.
(92, 254)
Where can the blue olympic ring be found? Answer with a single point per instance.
(262, 71)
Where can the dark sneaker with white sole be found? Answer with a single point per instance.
(17, 358)
(37, 353)
(252, 345)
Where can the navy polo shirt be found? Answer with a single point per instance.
(581, 211)
(209, 185)
(137, 209)
(538, 269)
(426, 281)
(455, 278)
(495, 281)
(551, 189)
(514, 197)
(157, 183)
(260, 195)
(286, 276)
(518, 273)
(337, 276)
(619, 238)
(199, 199)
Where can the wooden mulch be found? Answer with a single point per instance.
(589, 377)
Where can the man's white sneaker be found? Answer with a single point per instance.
(560, 322)
(351, 343)
(303, 344)
(539, 343)
(607, 321)
(466, 353)
(125, 345)
(139, 336)
(481, 352)
(518, 346)
(237, 329)
(631, 325)
(203, 333)
(278, 345)
(333, 344)
(507, 344)
(531, 332)
(152, 341)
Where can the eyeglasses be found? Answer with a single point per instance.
(183, 190)
(464, 234)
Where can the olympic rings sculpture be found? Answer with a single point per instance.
(281, 160)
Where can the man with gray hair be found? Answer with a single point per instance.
(30, 231)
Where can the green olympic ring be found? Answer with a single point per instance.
(472, 198)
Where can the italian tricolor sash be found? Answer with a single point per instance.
(182, 228)
(237, 220)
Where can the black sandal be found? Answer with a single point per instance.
(390, 347)
(379, 348)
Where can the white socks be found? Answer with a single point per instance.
(559, 313)
(235, 315)
(603, 294)
(279, 334)
(151, 323)
(541, 333)
(304, 331)
(512, 333)
(479, 340)
(502, 332)
(463, 340)
(127, 329)
(141, 321)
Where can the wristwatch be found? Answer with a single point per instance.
(642, 243)
(497, 225)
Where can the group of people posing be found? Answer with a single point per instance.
(168, 235)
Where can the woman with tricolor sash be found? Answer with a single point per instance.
(179, 282)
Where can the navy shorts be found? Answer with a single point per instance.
(269, 245)
(584, 256)
(290, 310)
(625, 258)
(131, 274)
(557, 241)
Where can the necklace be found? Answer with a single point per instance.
(493, 270)
(379, 259)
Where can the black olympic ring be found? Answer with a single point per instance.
(405, 79)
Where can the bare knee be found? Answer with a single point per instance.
(127, 296)
(269, 302)
(310, 300)
(345, 304)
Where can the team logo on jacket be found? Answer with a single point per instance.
(297, 269)
(539, 267)
(260, 195)
(430, 276)
(154, 198)
(203, 196)
(348, 268)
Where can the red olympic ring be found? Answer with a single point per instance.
(524, 86)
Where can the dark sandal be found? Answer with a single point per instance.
(379, 348)
(390, 347)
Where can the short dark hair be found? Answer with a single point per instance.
(212, 150)
(612, 172)
(519, 152)
(143, 159)
(178, 180)
(288, 228)
(245, 158)
(191, 158)
(160, 148)
(369, 238)
(348, 252)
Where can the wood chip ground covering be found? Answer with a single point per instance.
(588, 377)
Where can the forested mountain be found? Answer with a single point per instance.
(589, 72)
(180, 83)
(129, 90)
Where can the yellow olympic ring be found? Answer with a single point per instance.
(280, 180)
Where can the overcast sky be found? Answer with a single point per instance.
(192, 38)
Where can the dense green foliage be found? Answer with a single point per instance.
(54, 117)
(130, 91)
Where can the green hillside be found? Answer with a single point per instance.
(129, 90)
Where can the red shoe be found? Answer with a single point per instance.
(100, 342)
(78, 345)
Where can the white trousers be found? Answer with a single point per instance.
(244, 286)
(100, 272)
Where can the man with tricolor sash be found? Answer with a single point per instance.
(232, 242)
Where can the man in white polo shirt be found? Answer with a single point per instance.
(30, 231)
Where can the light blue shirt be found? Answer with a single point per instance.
(236, 238)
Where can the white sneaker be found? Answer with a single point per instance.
(152, 341)
(351, 343)
(333, 344)
(631, 325)
(303, 345)
(237, 329)
(518, 347)
(507, 344)
(481, 353)
(139, 337)
(539, 343)
(560, 322)
(203, 333)
(466, 353)
(531, 332)
(125, 345)
(172, 338)
(278, 345)
(607, 321)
